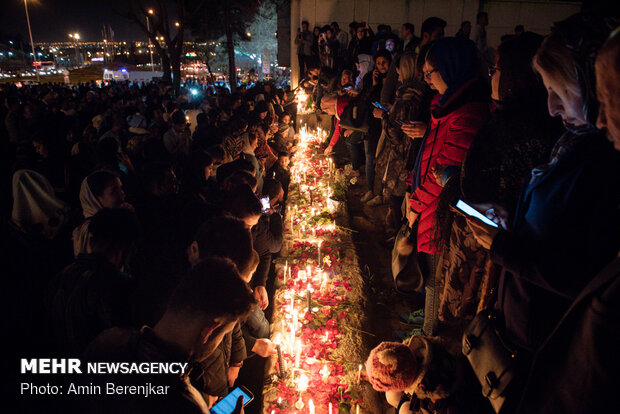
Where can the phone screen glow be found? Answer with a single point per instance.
(228, 403)
(469, 210)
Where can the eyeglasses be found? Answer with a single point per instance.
(427, 75)
(492, 70)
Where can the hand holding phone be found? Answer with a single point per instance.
(266, 205)
(230, 404)
(470, 211)
(378, 105)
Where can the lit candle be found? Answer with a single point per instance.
(308, 272)
(359, 373)
(297, 353)
(324, 372)
(302, 382)
(330, 408)
(293, 327)
(311, 407)
(357, 410)
(299, 404)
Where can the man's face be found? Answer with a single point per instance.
(437, 34)
(467, 28)
(404, 33)
(390, 46)
(304, 27)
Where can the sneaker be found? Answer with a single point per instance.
(402, 335)
(377, 201)
(412, 318)
(367, 197)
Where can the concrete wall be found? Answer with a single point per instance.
(536, 15)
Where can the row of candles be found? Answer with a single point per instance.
(314, 278)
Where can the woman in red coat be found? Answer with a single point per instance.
(459, 109)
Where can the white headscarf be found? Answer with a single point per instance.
(35, 206)
(90, 203)
(366, 64)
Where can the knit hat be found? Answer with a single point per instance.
(391, 366)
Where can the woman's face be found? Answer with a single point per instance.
(562, 100)
(286, 119)
(317, 31)
(434, 79)
(262, 115)
(345, 79)
(113, 196)
(382, 64)
(360, 33)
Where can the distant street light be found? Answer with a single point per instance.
(177, 24)
(148, 29)
(249, 34)
(31, 41)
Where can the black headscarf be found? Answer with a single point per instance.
(456, 60)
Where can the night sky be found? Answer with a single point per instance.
(52, 20)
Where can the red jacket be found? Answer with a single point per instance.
(451, 131)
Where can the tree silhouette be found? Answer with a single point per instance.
(160, 26)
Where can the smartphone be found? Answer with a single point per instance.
(378, 105)
(470, 211)
(348, 88)
(265, 202)
(227, 404)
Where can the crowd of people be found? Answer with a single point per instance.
(122, 203)
(141, 222)
(518, 135)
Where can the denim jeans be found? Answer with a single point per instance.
(370, 147)
(356, 151)
(431, 300)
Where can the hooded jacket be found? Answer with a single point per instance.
(450, 133)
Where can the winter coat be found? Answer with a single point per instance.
(399, 150)
(211, 377)
(450, 133)
(576, 369)
(87, 297)
(123, 345)
(461, 270)
(507, 149)
(267, 238)
(566, 228)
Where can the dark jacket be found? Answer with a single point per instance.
(87, 297)
(122, 345)
(566, 228)
(411, 104)
(267, 236)
(211, 377)
(576, 369)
